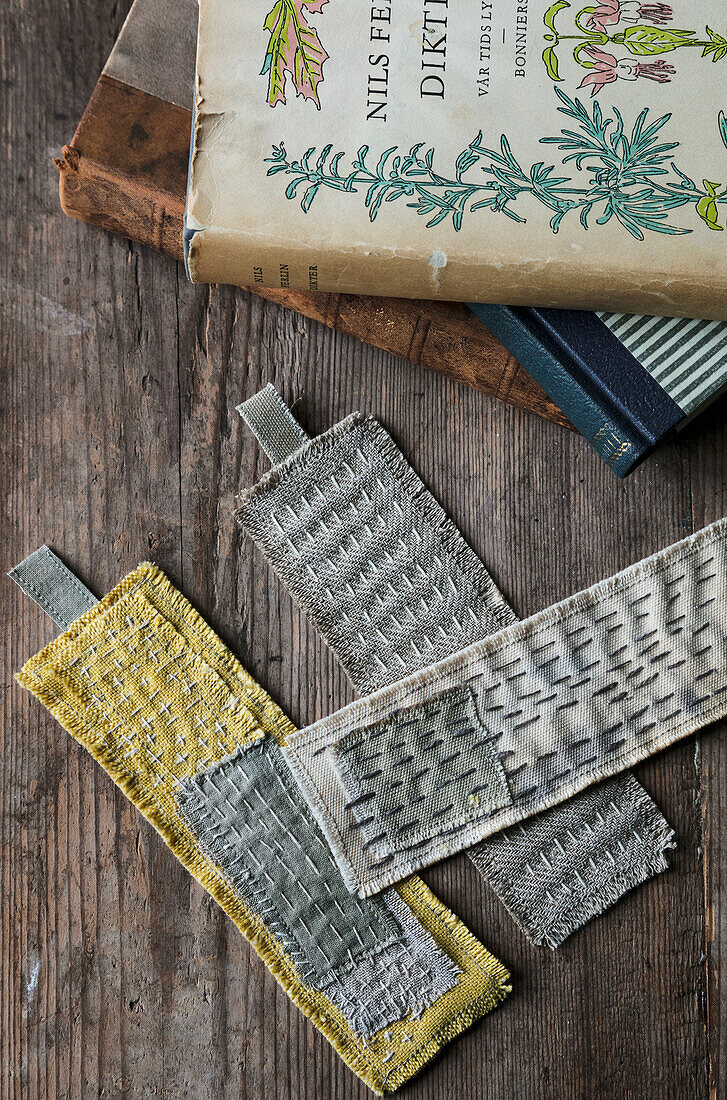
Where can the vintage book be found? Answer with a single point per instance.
(531, 153)
(126, 170)
(627, 382)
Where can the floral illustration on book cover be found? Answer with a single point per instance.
(294, 50)
(622, 40)
(611, 168)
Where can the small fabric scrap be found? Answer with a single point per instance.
(150, 690)
(572, 695)
(393, 588)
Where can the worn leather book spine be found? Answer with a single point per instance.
(125, 171)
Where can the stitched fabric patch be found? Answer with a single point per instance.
(415, 775)
(392, 587)
(574, 694)
(398, 982)
(370, 555)
(252, 820)
(143, 683)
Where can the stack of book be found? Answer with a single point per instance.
(335, 154)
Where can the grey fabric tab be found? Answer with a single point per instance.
(392, 587)
(577, 693)
(45, 578)
(276, 430)
(409, 778)
(370, 958)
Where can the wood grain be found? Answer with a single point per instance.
(118, 975)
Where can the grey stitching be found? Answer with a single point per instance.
(694, 710)
(364, 955)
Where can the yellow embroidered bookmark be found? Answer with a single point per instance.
(154, 695)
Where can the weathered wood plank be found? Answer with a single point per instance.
(118, 976)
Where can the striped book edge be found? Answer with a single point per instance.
(688, 358)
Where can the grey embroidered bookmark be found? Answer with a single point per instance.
(391, 585)
(577, 693)
(45, 578)
(368, 956)
(370, 556)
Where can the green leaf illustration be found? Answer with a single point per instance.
(644, 41)
(294, 49)
(717, 46)
(551, 62)
(707, 206)
(551, 13)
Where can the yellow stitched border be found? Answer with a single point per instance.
(149, 777)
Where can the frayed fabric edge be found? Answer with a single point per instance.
(616, 887)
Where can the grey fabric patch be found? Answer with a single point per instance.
(415, 775)
(400, 981)
(45, 578)
(254, 823)
(567, 864)
(368, 956)
(276, 430)
(572, 695)
(370, 555)
(391, 585)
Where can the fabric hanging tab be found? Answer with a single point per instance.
(274, 426)
(392, 587)
(159, 701)
(568, 697)
(55, 589)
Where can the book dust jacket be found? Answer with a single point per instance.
(508, 151)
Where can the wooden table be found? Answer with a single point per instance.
(118, 975)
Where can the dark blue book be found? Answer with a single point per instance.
(626, 382)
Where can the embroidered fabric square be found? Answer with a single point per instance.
(408, 779)
(575, 694)
(393, 587)
(251, 819)
(143, 683)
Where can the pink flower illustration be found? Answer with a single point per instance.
(610, 12)
(607, 69)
